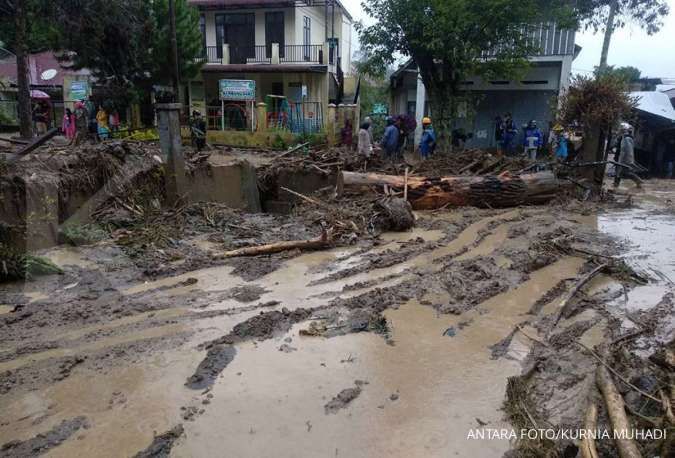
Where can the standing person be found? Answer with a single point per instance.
(114, 121)
(390, 140)
(346, 134)
(627, 158)
(533, 140)
(102, 123)
(369, 120)
(68, 127)
(508, 134)
(92, 126)
(365, 144)
(81, 123)
(40, 118)
(562, 139)
(428, 141)
(198, 130)
(669, 158)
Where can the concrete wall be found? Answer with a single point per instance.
(234, 184)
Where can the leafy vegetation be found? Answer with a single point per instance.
(448, 38)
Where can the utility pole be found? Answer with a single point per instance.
(173, 50)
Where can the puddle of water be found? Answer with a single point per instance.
(125, 407)
(68, 256)
(426, 235)
(6, 309)
(443, 383)
(651, 249)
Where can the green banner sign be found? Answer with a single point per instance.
(237, 90)
(79, 90)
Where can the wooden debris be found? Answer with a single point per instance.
(482, 191)
(38, 142)
(617, 414)
(277, 247)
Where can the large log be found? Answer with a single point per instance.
(480, 191)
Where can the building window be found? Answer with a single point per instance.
(202, 30)
(306, 36)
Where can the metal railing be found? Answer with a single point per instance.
(301, 54)
(546, 38)
(211, 54)
(249, 55)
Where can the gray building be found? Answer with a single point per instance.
(531, 97)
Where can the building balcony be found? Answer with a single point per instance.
(273, 54)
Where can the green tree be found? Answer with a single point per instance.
(188, 37)
(126, 42)
(374, 87)
(25, 27)
(626, 74)
(613, 14)
(447, 40)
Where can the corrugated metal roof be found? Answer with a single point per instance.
(656, 103)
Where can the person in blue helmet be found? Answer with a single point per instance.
(389, 142)
(533, 140)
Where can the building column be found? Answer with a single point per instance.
(420, 99)
(565, 74)
(262, 117)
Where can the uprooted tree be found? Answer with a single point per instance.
(597, 104)
(448, 40)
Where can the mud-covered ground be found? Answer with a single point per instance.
(398, 344)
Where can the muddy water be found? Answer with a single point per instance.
(270, 403)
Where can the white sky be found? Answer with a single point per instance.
(653, 55)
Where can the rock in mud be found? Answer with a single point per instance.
(161, 446)
(266, 325)
(246, 293)
(217, 359)
(394, 214)
(43, 442)
(342, 400)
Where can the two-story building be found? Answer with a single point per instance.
(298, 52)
(531, 97)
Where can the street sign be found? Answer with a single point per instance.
(79, 90)
(380, 109)
(237, 90)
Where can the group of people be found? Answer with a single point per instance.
(85, 121)
(534, 140)
(393, 140)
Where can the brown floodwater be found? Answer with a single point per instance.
(423, 394)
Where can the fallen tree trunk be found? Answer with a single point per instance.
(277, 247)
(617, 414)
(587, 448)
(480, 191)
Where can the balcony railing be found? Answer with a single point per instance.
(262, 54)
(294, 54)
(212, 55)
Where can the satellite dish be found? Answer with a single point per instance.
(48, 74)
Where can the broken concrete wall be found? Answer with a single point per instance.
(233, 183)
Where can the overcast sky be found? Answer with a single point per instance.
(653, 55)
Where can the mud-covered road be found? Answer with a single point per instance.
(396, 347)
